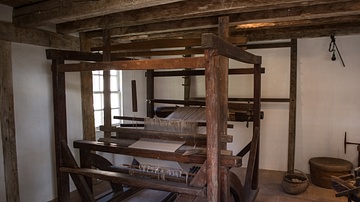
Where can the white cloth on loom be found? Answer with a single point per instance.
(158, 145)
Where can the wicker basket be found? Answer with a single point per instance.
(294, 182)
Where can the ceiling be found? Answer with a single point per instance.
(145, 19)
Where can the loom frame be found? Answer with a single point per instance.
(213, 47)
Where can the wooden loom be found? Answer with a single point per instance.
(212, 181)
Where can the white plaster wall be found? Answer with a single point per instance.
(327, 102)
(34, 120)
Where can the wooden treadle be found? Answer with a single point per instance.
(137, 181)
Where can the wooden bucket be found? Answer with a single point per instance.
(322, 168)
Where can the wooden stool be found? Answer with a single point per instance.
(322, 168)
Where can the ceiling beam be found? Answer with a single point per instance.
(280, 30)
(185, 10)
(55, 11)
(10, 32)
(300, 32)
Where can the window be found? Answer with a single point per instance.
(98, 88)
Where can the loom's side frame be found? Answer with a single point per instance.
(214, 47)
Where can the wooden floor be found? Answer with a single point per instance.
(270, 191)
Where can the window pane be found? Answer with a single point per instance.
(114, 72)
(115, 101)
(115, 112)
(114, 85)
(99, 118)
(98, 101)
(96, 84)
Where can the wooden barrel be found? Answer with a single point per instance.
(322, 168)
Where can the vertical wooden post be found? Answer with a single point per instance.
(256, 124)
(292, 105)
(223, 32)
(87, 101)
(87, 106)
(150, 93)
(106, 77)
(187, 82)
(60, 127)
(8, 124)
(212, 127)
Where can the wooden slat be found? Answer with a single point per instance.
(55, 11)
(137, 181)
(202, 72)
(129, 118)
(136, 134)
(80, 181)
(7, 121)
(152, 44)
(156, 53)
(210, 41)
(198, 181)
(10, 32)
(173, 63)
(226, 160)
(73, 55)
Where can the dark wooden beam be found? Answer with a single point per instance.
(87, 103)
(199, 9)
(54, 11)
(173, 63)
(212, 119)
(292, 105)
(106, 82)
(202, 72)
(210, 41)
(7, 121)
(164, 43)
(72, 55)
(227, 160)
(223, 73)
(278, 17)
(301, 31)
(10, 32)
(60, 129)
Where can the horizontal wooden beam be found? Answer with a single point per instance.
(173, 63)
(210, 41)
(39, 37)
(300, 32)
(194, 9)
(226, 160)
(163, 43)
(202, 72)
(54, 11)
(136, 134)
(296, 13)
(235, 106)
(73, 55)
